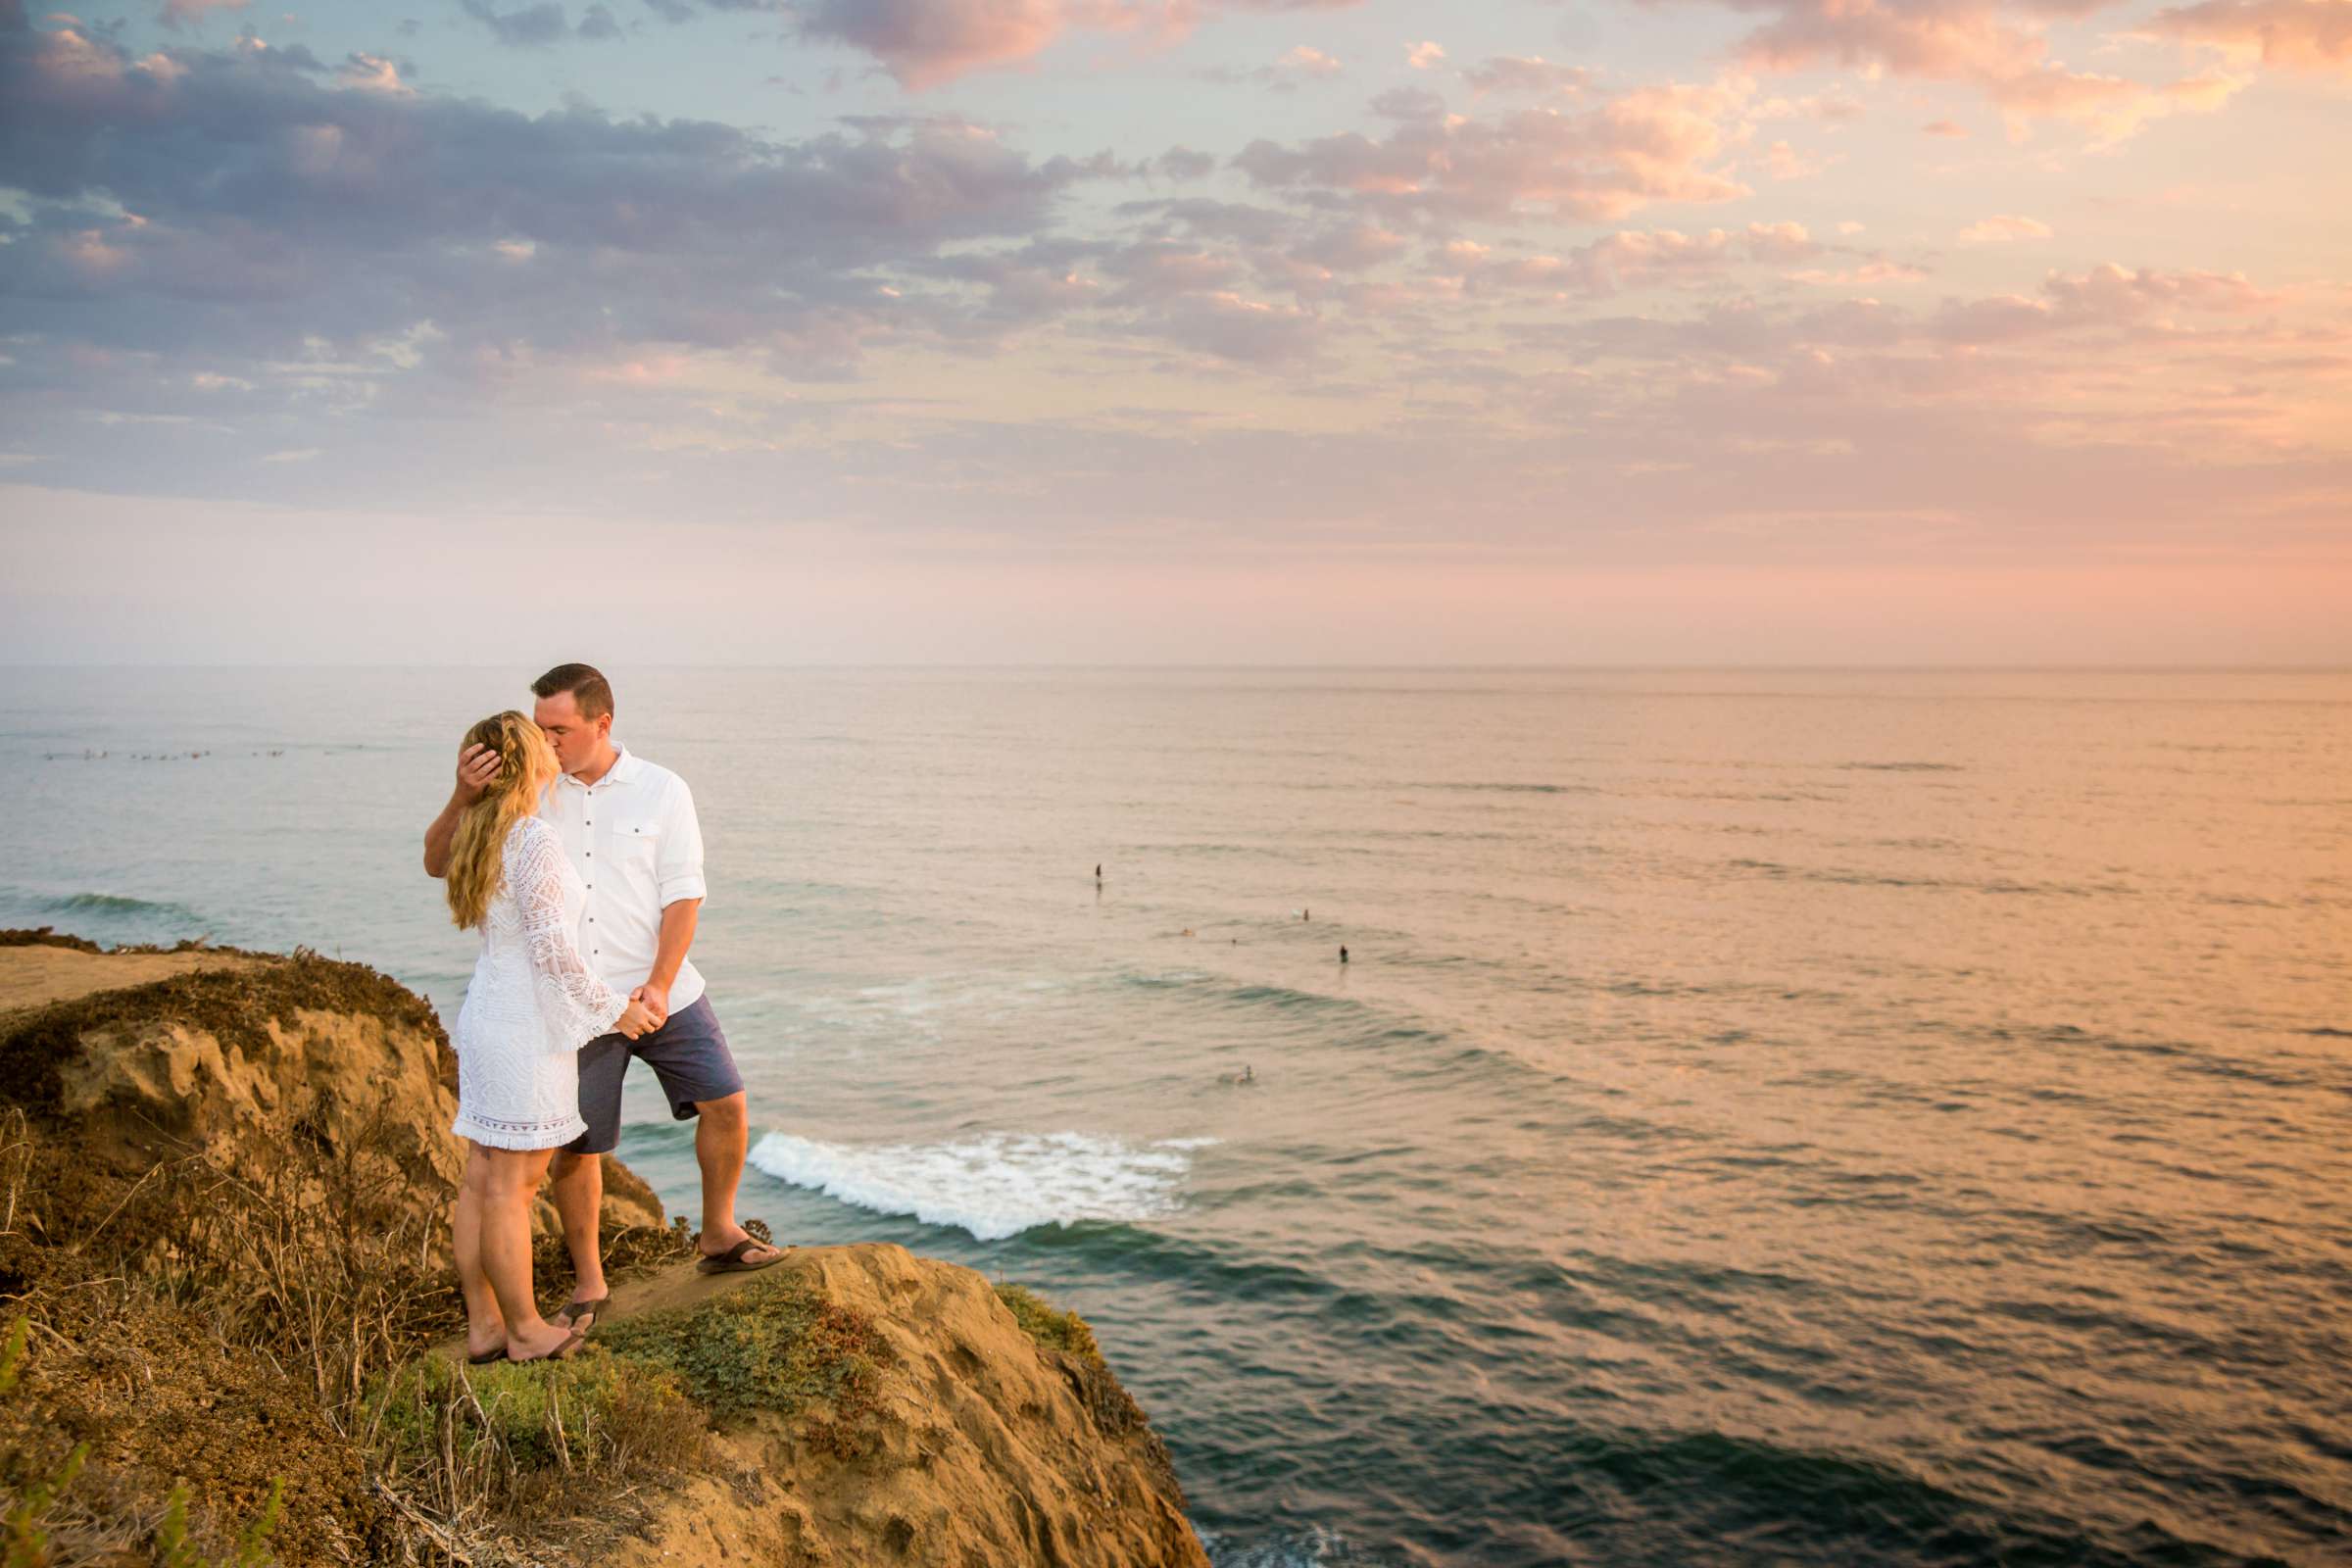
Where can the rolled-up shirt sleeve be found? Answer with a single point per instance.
(678, 874)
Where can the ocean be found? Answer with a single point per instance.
(1765, 1117)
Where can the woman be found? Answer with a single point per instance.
(531, 1005)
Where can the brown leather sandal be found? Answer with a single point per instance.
(594, 1311)
(731, 1261)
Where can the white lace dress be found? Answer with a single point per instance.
(531, 1004)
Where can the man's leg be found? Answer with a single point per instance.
(721, 1138)
(578, 1172)
(689, 1054)
(576, 1182)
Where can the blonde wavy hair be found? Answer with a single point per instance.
(527, 766)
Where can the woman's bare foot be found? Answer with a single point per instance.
(538, 1344)
(485, 1343)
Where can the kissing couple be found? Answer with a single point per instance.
(580, 864)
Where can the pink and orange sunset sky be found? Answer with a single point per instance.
(1199, 331)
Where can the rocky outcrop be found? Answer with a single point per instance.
(984, 1449)
(221, 1305)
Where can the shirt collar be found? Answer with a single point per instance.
(623, 770)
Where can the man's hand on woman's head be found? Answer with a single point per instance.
(477, 767)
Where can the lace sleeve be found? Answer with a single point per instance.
(577, 1005)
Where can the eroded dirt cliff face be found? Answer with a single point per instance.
(137, 1056)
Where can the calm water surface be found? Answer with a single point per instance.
(1768, 1117)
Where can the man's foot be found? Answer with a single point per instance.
(582, 1315)
(736, 1253)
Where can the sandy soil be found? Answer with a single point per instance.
(35, 977)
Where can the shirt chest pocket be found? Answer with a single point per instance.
(636, 844)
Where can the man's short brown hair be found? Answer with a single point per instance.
(588, 687)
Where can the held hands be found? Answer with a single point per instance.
(656, 998)
(637, 1020)
(477, 767)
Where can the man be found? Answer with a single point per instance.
(630, 830)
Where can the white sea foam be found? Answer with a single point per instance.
(993, 1185)
(1311, 1548)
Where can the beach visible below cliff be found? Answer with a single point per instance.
(223, 1177)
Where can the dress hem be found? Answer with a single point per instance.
(556, 1139)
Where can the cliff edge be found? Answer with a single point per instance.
(225, 1320)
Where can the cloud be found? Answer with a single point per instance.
(372, 73)
(1284, 75)
(2284, 34)
(2004, 229)
(1183, 162)
(1628, 259)
(179, 14)
(2115, 293)
(1161, 270)
(1527, 73)
(1784, 161)
(1424, 56)
(1308, 62)
(532, 26)
(1999, 50)
(925, 43)
(1229, 326)
(1408, 103)
(2106, 296)
(1237, 222)
(1349, 247)
(249, 201)
(1651, 145)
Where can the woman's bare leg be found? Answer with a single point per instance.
(486, 1324)
(509, 1176)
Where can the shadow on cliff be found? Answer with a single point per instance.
(224, 1179)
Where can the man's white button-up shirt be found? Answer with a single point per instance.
(633, 837)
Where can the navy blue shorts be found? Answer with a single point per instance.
(688, 1053)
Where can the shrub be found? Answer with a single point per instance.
(1056, 1330)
